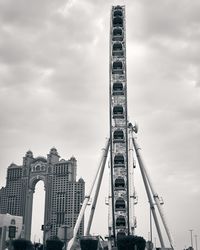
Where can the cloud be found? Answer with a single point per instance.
(54, 83)
(163, 21)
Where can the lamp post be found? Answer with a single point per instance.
(196, 242)
(191, 237)
(65, 236)
(151, 233)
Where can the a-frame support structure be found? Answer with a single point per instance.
(152, 195)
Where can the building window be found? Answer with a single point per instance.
(118, 112)
(118, 136)
(117, 49)
(118, 88)
(117, 67)
(60, 218)
(117, 21)
(120, 222)
(117, 13)
(117, 46)
(120, 204)
(118, 7)
(117, 32)
(12, 222)
(37, 168)
(119, 183)
(121, 234)
(119, 161)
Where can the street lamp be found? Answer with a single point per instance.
(66, 235)
(191, 230)
(150, 222)
(196, 242)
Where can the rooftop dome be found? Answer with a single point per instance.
(40, 158)
(13, 165)
(81, 180)
(72, 158)
(53, 151)
(29, 153)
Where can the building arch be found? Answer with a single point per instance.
(35, 179)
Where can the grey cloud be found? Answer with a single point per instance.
(54, 87)
(13, 49)
(30, 14)
(167, 20)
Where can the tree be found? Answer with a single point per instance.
(22, 244)
(38, 246)
(89, 243)
(131, 243)
(54, 244)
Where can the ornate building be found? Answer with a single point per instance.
(63, 193)
(10, 227)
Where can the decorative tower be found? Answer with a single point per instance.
(118, 124)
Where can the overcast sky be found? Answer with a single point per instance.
(54, 82)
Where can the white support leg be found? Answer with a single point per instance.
(131, 184)
(155, 195)
(86, 200)
(149, 195)
(105, 154)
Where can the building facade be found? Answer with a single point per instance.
(63, 193)
(7, 223)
